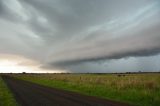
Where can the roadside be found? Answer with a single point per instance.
(6, 97)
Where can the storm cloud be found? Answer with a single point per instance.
(82, 35)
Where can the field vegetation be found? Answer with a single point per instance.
(6, 97)
(135, 89)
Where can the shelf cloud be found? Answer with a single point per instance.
(82, 35)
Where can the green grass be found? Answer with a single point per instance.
(136, 89)
(6, 97)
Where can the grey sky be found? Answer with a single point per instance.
(83, 35)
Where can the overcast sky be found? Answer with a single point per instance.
(82, 35)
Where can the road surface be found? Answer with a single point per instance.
(30, 94)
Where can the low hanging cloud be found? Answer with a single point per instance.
(73, 34)
(141, 44)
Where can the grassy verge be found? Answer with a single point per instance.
(139, 90)
(6, 97)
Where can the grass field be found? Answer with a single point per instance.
(136, 89)
(6, 97)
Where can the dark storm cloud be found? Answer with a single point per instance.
(63, 33)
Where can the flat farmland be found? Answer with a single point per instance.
(134, 89)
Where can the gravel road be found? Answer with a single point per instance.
(31, 94)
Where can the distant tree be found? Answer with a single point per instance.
(23, 72)
(128, 72)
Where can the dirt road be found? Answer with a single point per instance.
(30, 94)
